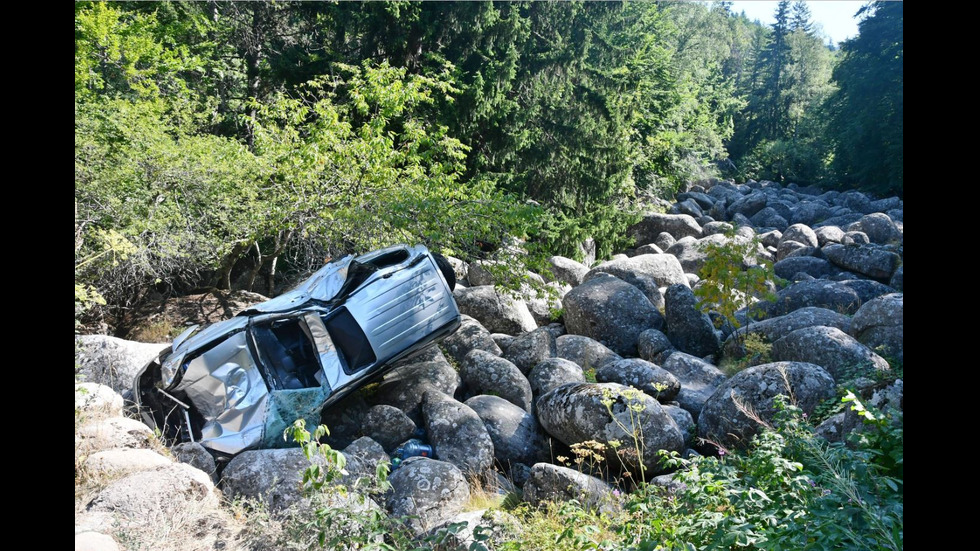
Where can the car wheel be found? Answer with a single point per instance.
(447, 270)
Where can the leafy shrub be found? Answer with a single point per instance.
(757, 351)
(734, 276)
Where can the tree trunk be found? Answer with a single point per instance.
(222, 279)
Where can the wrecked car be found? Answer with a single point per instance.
(239, 383)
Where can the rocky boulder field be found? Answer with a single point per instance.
(510, 399)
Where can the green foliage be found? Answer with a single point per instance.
(790, 490)
(757, 352)
(867, 111)
(734, 276)
(631, 399)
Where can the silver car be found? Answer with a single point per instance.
(237, 384)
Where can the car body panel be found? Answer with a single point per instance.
(241, 382)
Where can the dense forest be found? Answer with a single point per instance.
(228, 143)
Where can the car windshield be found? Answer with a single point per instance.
(286, 350)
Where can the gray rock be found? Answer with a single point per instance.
(363, 457)
(457, 434)
(724, 192)
(712, 228)
(868, 289)
(832, 349)
(610, 311)
(896, 280)
(732, 415)
(654, 346)
(649, 248)
(688, 328)
(642, 375)
(494, 524)
(124, 460)
(470, 336)
(887, 204)
(788, 248)
(485, 373)
(809, 265)
(557, 329)
(388, 426)
(771, 238)
(689, 207)
(804, 251)
(801, 233)
(879, 325)
(703, 200)
(576, 413)
(685, 422)
(97, 398)
(405, 386)
(783, 207)
(498, 312)
(115, 432)
(663, 269)
(272, 476)
(532, 348)
(478, 274)
(821, 293)
(549, 483)
(516, 435)
(776, 328)
(584, 351)
(503, 341)
(869, 260)
(878, 227)
(678, 225)
(741, 221)
(427, 492)
(552, 373)
(460, 268)
(545, 304)
(669, 483)
(196, 456)
(699, 380)
(810, 213)
(345, 419)
(664, 241)
(888, 400)
(95, 541)
(111, 361)
(839, 220)
(168, 490)
(829, 234)
(567, 270)
(855, 200)
(855, 238)
(769, 218)
(748, 205)
(832, 428)
(690, 252)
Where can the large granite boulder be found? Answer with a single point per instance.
(608, 412)
(740, 406)
(612, 312)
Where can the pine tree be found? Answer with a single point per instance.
(801, 18)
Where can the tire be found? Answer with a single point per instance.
(447, 270)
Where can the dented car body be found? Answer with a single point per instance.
(239, 383)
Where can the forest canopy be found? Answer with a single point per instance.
(223, 143)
